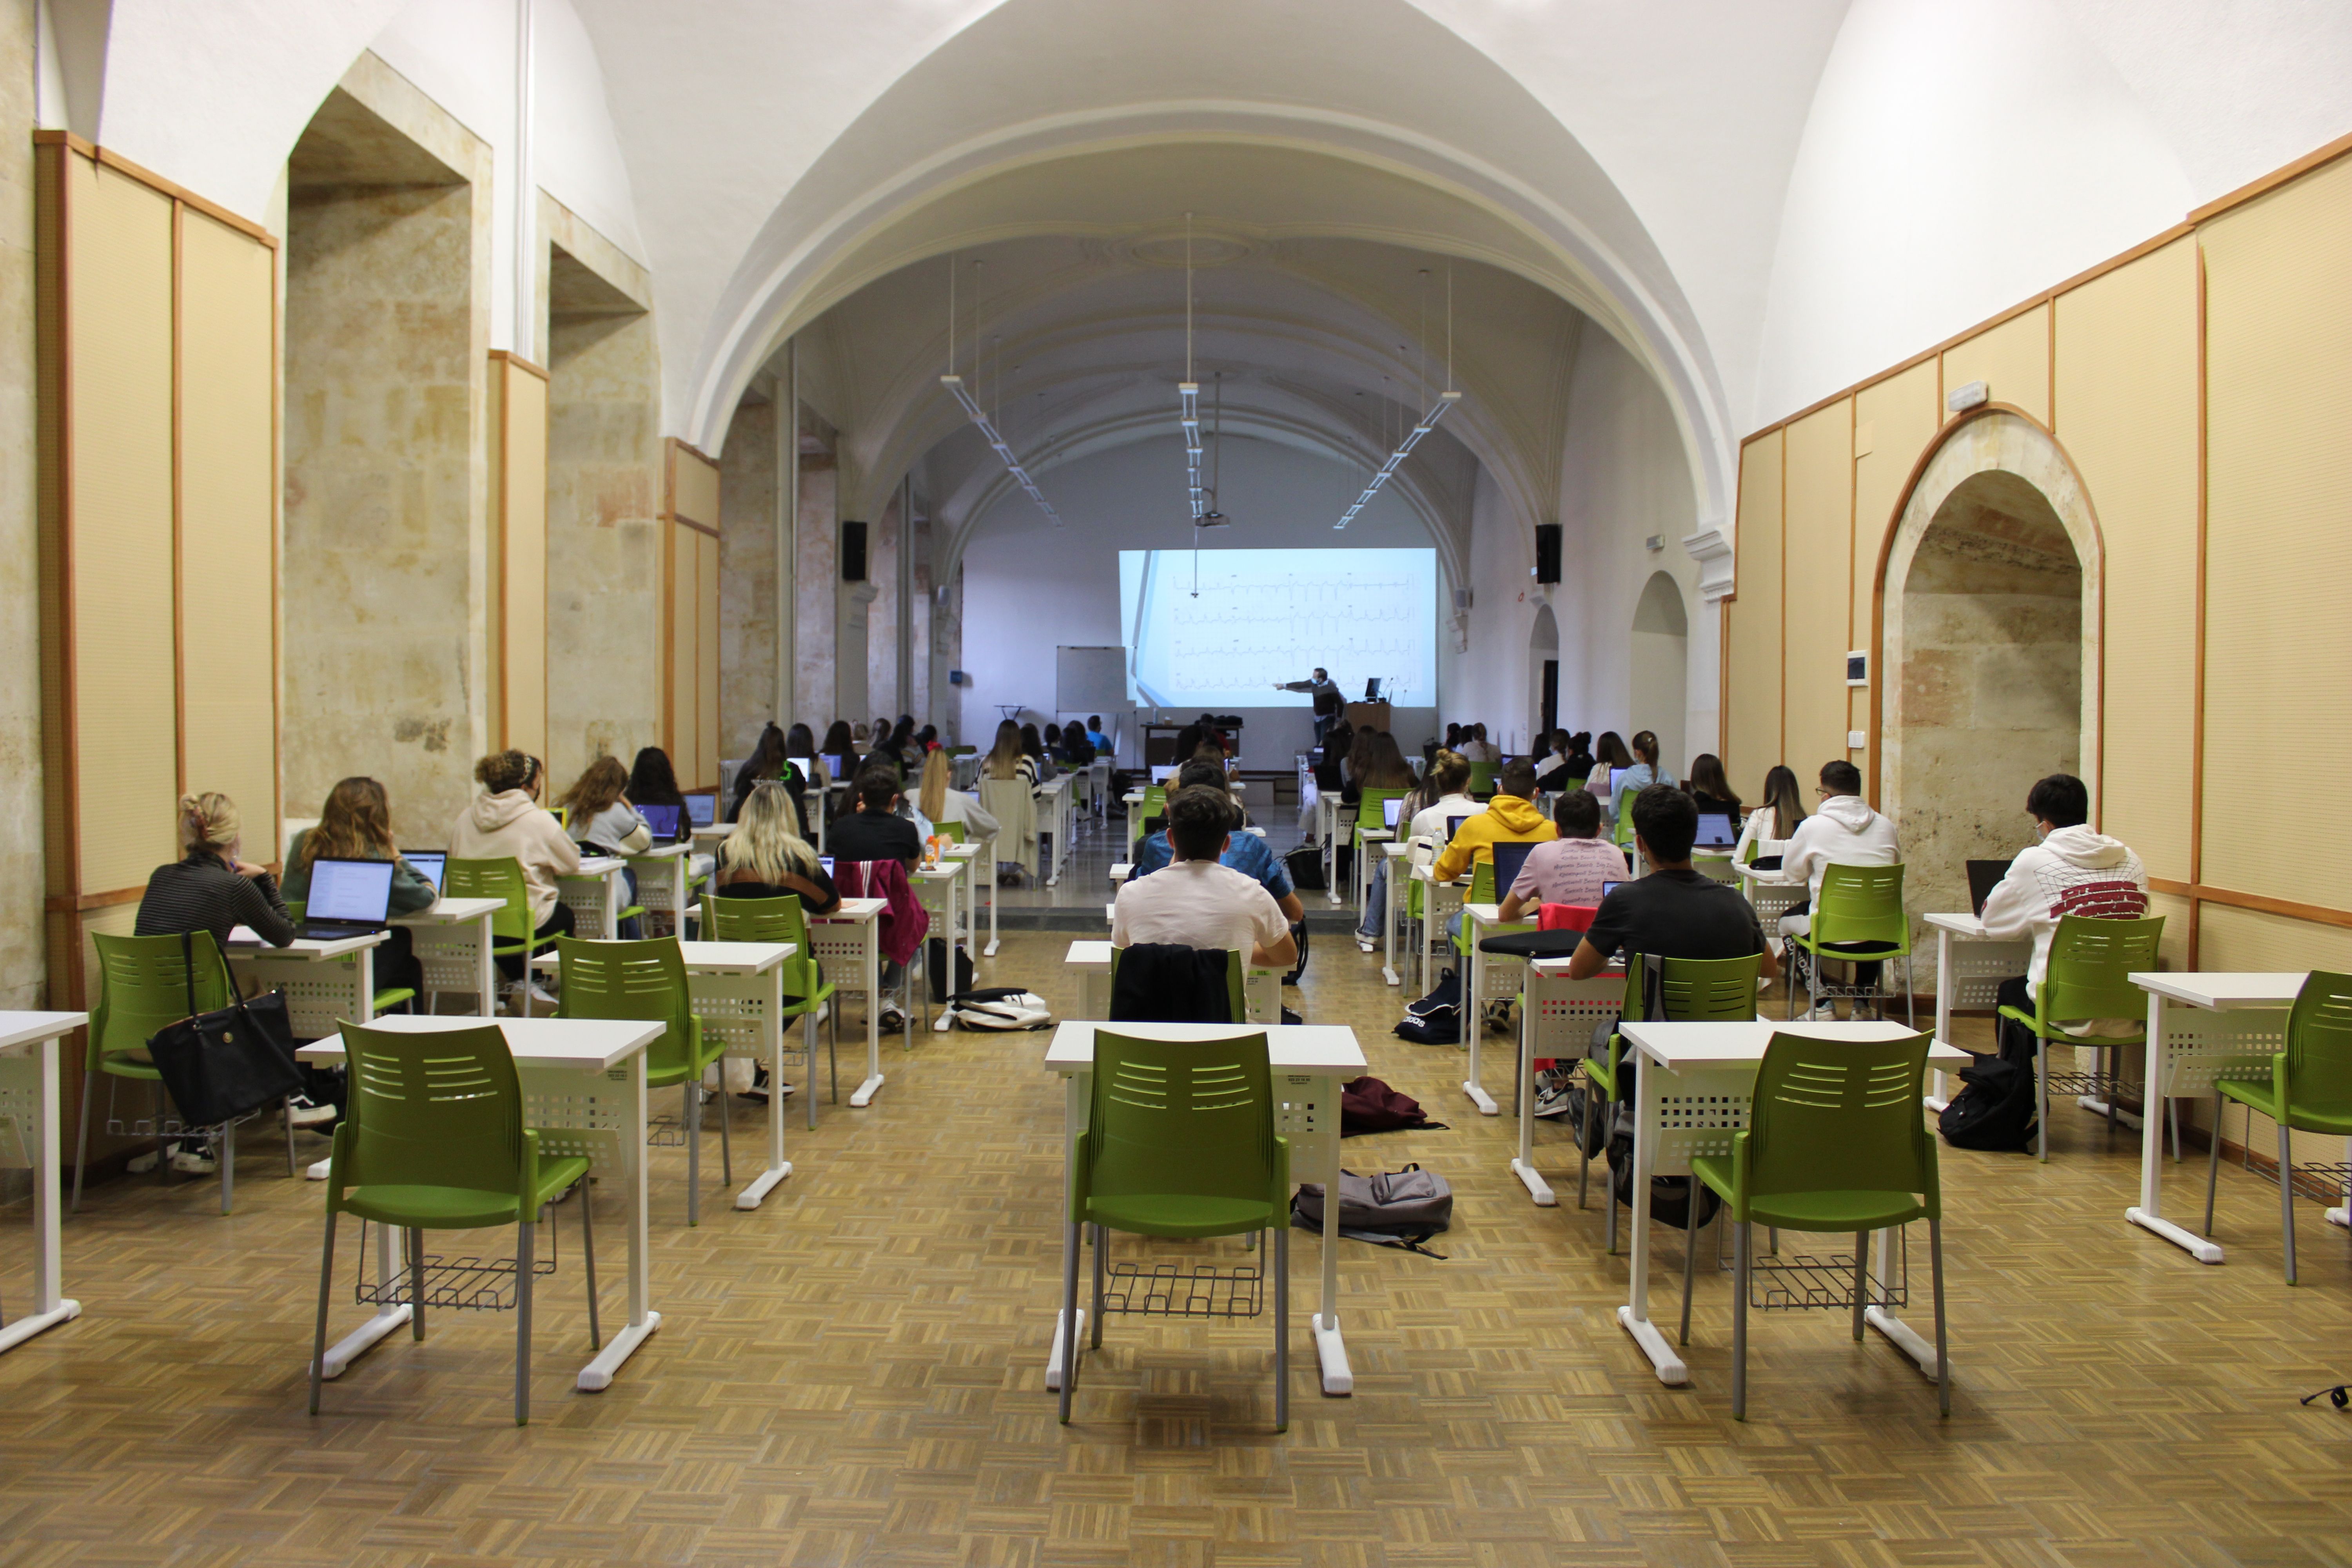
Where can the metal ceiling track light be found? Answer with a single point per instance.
(1437, 411)
(981, 421)
(1188, 395)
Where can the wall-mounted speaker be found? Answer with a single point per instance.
(852, 553)
(1547, 553)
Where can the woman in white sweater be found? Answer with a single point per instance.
(936, 802)
(508, 820)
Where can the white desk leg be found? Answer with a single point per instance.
(988, 857)
(1936, 1098)
(1331, 1348)
(347, 1349)
(50, 1306)
(1474, 1023)
(1524, 1167)
(642, 1320)
(864, 1093)
(486, 999)
(2148, 1214)
(771, 1024)
(363, 1010)
(1397, 867)
(1905, 1338)
(1076, 1087)
(1634, 1316)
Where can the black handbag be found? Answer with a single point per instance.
(229, 1063)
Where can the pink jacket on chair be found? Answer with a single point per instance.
(904, 921)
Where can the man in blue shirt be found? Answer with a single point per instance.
(1246, 853)
(1095, 736)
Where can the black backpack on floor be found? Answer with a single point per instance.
(1994, 1109)
(1305, 864)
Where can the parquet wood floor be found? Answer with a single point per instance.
(853, 1374)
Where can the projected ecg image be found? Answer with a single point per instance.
(1267, 615)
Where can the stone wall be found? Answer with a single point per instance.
(882, 698)
(816, 575)
(749, 482)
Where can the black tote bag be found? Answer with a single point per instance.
(223, 1065)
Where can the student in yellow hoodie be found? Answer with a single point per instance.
(1511, 817)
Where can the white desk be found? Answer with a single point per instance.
(1394, 854)
(1090, 960)
(1129, 804)
(2217, 1026)
(324, 982)
(1438, 900)
(1310, 1061)
(1555, 1022)
(583, 1085)
(451, 939)
(28, 1138)
(1969, 968)
(663, 878)
(1120, 870)
(1769, 895)
(1053, 798)
(1706, 1073)
(850, 938)
(593, 895)
(935, 890)
(976, 867)
(737, 989)
(1480, 921)
(1361, 873)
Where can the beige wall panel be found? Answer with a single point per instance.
(706, 655)
(685, 585)
(2278, 674)
(2128, 416)
(228, 528)
(2174, 912)
(1751, 699)
(1894, 420)
(522, 574)
(120, 330)
(2236, 939)
(2014, 358)
(1819, 587)
(696, 495)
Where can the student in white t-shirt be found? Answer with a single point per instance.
(1193, 901)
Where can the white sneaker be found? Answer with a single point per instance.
(142, 1164)
(192, 1163)
(540, 996)
(302, 1113)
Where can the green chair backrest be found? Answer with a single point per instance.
(765, 920)
(644, 979)
(951, 831)
(1191, 1118)
(1864, 903)
(1482, 883)
(2319, 1043)
(1839, 1116)
(1236, 969)
(1371, 809)
(500, 878)
(1482, 778)
(438, 1110)
(1709, 990)
(962, 750)
(2091, 966)
(142, 984)
(1155, 801)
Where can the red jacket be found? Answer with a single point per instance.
(903, 921)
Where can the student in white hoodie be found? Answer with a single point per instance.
(2075, 870)
(1844, 832)
(1447, 779)
(508, 820)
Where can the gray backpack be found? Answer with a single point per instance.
(1395, 1208)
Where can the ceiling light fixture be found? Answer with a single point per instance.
(1437, 411)
(987, 427)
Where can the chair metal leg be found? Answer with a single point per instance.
(326, 1284)
(808, 1073)
(1943, 1353)
(525, 1235)
(1690, 1256)
(1861, 1279)
(286, 1114)
(2172, 1119)
(1583, 1142)
(226, 1144)
(726, 1145)
(693, 1151)
(2115, 1083)
(1744, 1243)
(412, 1246)
(2041, 1100)
(82, 1145)
(1282, 1329)
(2212, 1163)
(1069, 1335)
(588, 1258)
(833, 1045)
(2286, 1196)
(1102, 1246)
(1910, 996)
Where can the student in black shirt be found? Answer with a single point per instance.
(872, 832)
(1675, 911)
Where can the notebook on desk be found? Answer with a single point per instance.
(348, 898)
(1715, 831)
(661, 821)
(1510, 855)
(1984, 876)
(428, 864)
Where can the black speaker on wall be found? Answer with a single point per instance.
(1547, 553)
(852, 553)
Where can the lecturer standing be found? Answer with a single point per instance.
(1327, 699)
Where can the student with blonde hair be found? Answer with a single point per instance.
(507, 821)
(937, 801)
(766, 858)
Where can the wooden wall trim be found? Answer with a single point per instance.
(58, 268)
(179, 519)
(516, 360)
(154, 182)
(2197, 669)
(2202, 893)
(73, 903)
(690, 522)
(2263, 185)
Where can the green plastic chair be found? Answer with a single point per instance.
(1690, 991)
(142, 987)
(2309, 1090)
(1155, 803)
(807, 991)
(1179, 1142)
(432, 1138)
(1371, 817)
(1237, 973)
(1834, 1143)
(1482, 780)
(1858, 904)
(646, 979)
(2089, 976)
(513, 932)
(387, 997)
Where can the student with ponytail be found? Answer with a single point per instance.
(209, 888)
(505, 820)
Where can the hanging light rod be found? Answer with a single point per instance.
(987, 427)
(1437, 411)
(1188, 395)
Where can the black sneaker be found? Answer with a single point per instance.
(1292, 1016)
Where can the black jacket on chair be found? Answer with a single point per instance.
(1161, 983)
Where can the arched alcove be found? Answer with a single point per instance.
(1543, 675)
(1659, 666)
(1990, 646)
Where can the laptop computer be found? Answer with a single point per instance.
(1715, 831)
(661, 821)
(807, 766)
(1453, 826)
(1609, 887)
(837, 767)
(1984, 876)
(826, 861)
(348, 898)
(1392, 808)
(1509, 857)
(1161, 775)
(701, 810)
(428, 864)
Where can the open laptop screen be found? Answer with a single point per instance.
(358, 891)
(428, 864)
(1453, 826)
(1510, 856)
(1984, 876)
(661, 821)
(1609, 887)
(1392, 808)
(1715, 831)
(701, 809)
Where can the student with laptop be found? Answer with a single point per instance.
(507, 820)
(1845, 831)
(601, 821)
(1511, 815)
(1627, 781)
(1197, 902)
(1243, 852)
(1095, 736)
(1477, 748)
(1570, 869)
(1610, 759)
(766, 858)
(2076, 869)
(1440, 793)
(652, 782)
(873, 830)
(355, 823)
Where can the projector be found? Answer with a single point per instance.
(1213, 520)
